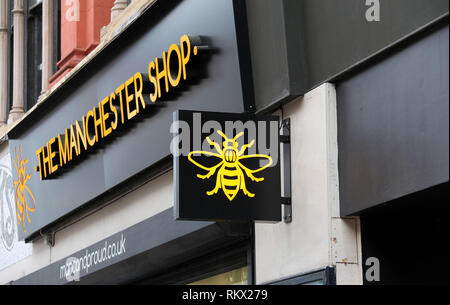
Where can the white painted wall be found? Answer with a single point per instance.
(11, 250)
(317, 237)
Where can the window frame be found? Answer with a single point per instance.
(33, 31)
(10, 25)
(327, 276)
(226, 259)
(30, 6)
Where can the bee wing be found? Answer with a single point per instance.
(32, 197)
(207, 163)
(252, 163)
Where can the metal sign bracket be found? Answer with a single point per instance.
(49, 238)
(285, 151)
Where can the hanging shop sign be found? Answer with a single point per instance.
(226, 166)
(110, 123)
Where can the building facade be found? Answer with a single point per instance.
(364, 84)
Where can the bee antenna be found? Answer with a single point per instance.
(222, 134)
(238, 135)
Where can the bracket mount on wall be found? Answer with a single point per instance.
(50, 239)
(285, 151)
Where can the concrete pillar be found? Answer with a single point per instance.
(17, 110)
(3, 61)
(47, 43)
(317, 237)
(119, 6)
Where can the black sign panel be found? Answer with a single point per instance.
(134, 132)
(393, 135)
(226, 166)
(310, 42)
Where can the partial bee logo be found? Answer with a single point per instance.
(230, 169)
(22, 191)
(7, 210)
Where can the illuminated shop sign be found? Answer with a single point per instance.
(226, 166)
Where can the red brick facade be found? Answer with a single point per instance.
(80, 32)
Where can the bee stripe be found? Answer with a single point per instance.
(231, 182)
(230, 187)
(230, 173)
(230, 177)
(230, 168)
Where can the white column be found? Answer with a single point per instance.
(119, 6)
(3, 61)
(317, 237)
(18, 63)
(47, 43)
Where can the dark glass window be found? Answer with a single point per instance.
(225, 266)
(56, 34)
(33, 49)
(10, 55)
(33, 55)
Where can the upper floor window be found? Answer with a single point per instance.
(32, 73)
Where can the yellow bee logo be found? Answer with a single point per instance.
(230, 170)
(21, 190)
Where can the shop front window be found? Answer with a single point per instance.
(234, 277)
